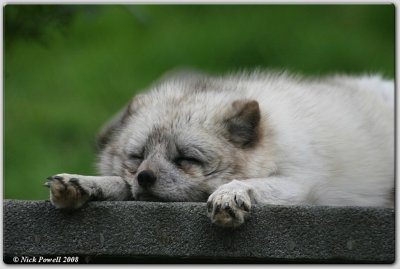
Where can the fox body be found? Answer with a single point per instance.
(244, 139)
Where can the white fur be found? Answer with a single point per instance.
(332, 143)
(326, 141)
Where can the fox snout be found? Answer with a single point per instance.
(146, 179)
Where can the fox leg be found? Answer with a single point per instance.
(71, 191)
(230, 204)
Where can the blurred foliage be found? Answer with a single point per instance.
(68, 68)
(32, 22)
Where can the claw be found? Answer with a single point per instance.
(231, 212)
(74, 180)
(217, 208)
(58, 178)
(228, 209)
(241, 203)
(50, 178)
(226, 206)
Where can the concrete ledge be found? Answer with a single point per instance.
(147, 232)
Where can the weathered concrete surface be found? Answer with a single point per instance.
(147, 232)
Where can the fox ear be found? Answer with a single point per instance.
(243, 123)
(108, 129)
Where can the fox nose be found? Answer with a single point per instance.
(146, 178)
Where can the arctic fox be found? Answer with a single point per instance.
(244, 139)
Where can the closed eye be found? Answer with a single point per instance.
(187, 160)
(129, 169)
(134, 156)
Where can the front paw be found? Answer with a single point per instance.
(67, 191)
(228, 208)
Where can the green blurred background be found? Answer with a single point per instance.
(68, 68)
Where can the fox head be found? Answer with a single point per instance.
(181, 140)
